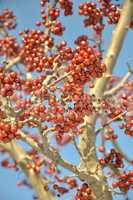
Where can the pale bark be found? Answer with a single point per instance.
(21, 157)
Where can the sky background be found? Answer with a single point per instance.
(27, 12)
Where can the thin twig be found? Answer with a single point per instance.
(110, 121)
(121, 84)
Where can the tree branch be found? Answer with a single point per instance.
(120, 85)
(20, 156)
(50, 153)
(11, 63)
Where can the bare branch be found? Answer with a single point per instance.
(50, 153)
(110, 121)
(20, 156)
(121, 84)
(11, 63)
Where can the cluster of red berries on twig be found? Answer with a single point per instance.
(9, 83)
(49, 19)
(127, 124)
(67, 6)
(8, 132)
(94, 14)
(9, 46)
(54, 13)
(57, 28)
(113, 157)
(7, 19)
(111, 11)
(34, 42)
(86, 63)
(84, 193)
(125, 181)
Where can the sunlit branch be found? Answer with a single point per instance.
(50, 153)
(110, 121)
(59, 79)
(11, 63)
(20, 156)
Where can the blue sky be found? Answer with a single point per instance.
(27, 12)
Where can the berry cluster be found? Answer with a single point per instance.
(7, 19)
(109, 134)
(84, 193)
(33, 85)
(121, 108)
(128, 126)
(111, 11)
(49, 19)
(125, 181)
(36, 165)
(9, 83)
(54, 13)
(9, 47)
(86, 62)
(8, 132)
(93, 14)
(57, 28)
(83, 107)
(65, 52)
(71, 182)
(113, 158)
(34, 42)
(66, 5)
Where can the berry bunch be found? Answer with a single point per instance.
(66, 5)
(7, 19)
(86, 62)
(33, 85)
(84, 193)
(34, 42)
(54, 13)
(9, 47)
(93, 14)
(125, 181)
(6, 164)
(8, 132)
(9, 83)
(60, 190)
(113, 158)
(49, 18)
(111, 11)
(83, 107)
(57, 28)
